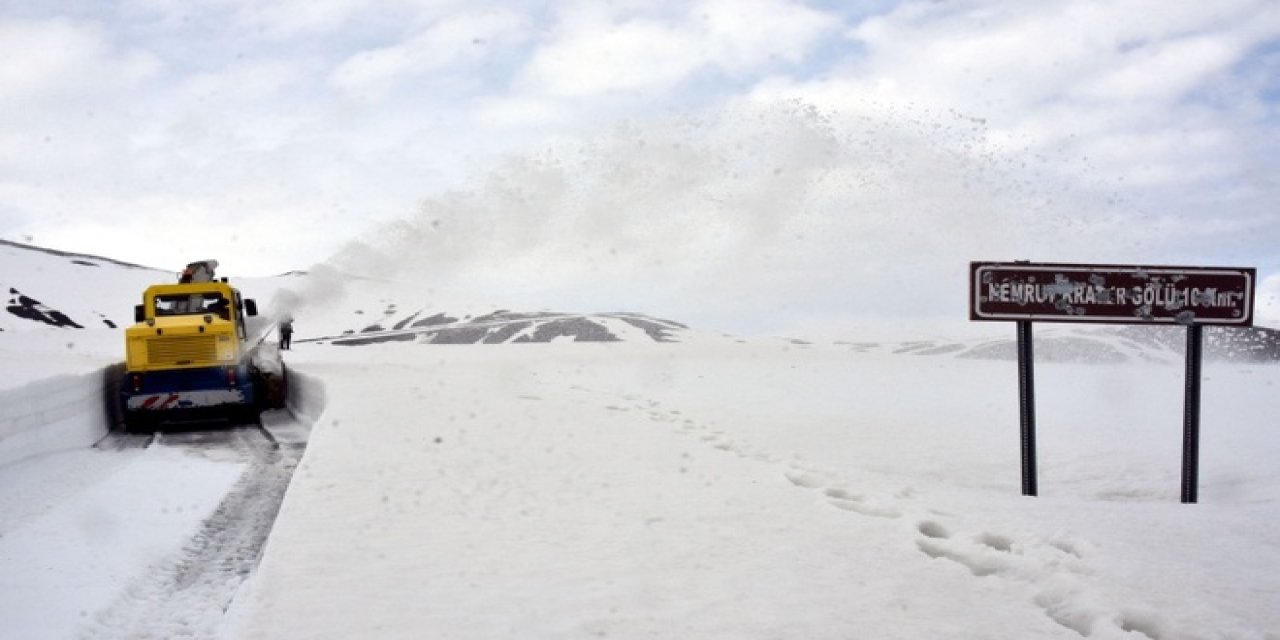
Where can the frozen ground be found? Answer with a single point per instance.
(765, 491)
(81, 527)
(714, 487)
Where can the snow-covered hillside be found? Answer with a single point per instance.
(57, 289)
(670, 483)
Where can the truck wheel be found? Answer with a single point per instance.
(250, 415)
(275, 389)
(138, 423)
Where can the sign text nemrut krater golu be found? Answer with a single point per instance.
(1113, 294)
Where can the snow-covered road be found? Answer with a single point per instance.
(140, 536)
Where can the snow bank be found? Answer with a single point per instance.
(747, 491)
(54, 414)
(306, 397)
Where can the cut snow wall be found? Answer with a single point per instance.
(306, 397)
(54, 414)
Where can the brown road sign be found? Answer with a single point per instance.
(1119, 294)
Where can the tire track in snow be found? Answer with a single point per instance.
(188, 595)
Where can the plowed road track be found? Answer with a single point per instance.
(187, 595)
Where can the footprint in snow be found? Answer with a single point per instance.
(988, 554)
(847, 501)
(804, 480)
(1085, 618)
(1066, 547)
(933, 529)
(993, 554)
(979, 564)
(839, 498)
(996, 541)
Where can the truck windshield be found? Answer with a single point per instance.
(192, 303)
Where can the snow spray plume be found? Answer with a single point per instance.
(317, 289)
(777, 207)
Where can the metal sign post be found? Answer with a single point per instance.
(1027, 407)
(1191, 418)
(1025, 292)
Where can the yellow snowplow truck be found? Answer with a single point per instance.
(190, 357)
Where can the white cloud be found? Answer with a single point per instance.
(67, 99)
(1141, 97)
(745, 33)
(640, 55)
(249, 105)
(250, 82)
(256, 228)
(286, 18)
(1026, 54)
(1166, 71)
(594, 51)
(523, 111)
(56, 60)
(453, 44)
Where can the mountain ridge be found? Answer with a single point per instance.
(59, 290)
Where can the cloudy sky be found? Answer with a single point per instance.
(820, 159)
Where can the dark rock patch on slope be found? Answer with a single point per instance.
(508, 327)
(581, 329)
(31, 309)
(355, 342)
(435, 320)
(659, 330)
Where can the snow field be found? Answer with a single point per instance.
(936, 441)
(740, 491)
(68, 550)
(532, 515)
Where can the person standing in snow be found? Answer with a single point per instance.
(286, 333)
